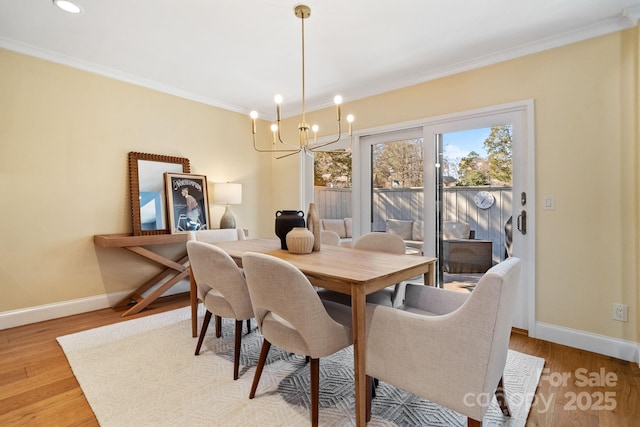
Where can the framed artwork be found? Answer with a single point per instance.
(187, 202)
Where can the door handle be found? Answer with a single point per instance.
(522, 222)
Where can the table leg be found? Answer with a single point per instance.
(358, 305)
(430, 275)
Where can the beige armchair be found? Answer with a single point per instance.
(224, 292)
(207, 236)
(291, 315)
(453, 345)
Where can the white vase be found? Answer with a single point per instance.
(300, 241)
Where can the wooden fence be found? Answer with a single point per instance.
(407, 203)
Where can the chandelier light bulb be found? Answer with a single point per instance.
(350, 118)
(253, 115)
(337, 99)
(274, 127)
(278, 99)
(315, 128)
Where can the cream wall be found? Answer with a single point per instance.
(586, 139)
(65, 135)
(64, 139)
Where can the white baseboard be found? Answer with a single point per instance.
(601, 344)
(40, 313)
(614, 347)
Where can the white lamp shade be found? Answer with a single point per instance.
(227, 193)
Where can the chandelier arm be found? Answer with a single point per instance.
(293, 150)
(286, 155)
(324, 144)
(294, 147)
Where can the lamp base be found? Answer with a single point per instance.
(227, 220)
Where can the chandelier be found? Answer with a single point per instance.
(306, 142)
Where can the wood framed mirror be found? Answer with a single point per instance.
(146, 182)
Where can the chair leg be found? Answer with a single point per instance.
(314, 370)
(501, 397)
(266, 345)
(236, 350)
(248, 326)
(473, 423)
(370, 391)
(205, 325)
(218, 326)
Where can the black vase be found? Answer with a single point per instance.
(285, 221)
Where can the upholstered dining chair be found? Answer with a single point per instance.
(291, 316)
(380, 242)
(329, 238)
(224, 291)
(207, 236)
(454, 345)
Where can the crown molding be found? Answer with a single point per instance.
(627, 18)
(90, 67)
(632, 13)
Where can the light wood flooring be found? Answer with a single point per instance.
(37, 387)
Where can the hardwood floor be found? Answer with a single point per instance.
(37, 386)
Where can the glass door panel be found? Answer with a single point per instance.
(474, 200)
(397, 189)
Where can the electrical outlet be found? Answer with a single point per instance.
(620, 312)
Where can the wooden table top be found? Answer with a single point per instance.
(338, 263)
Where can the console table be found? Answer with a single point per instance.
(175, 270)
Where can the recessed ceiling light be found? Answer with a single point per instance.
(67, 6)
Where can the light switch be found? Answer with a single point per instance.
(549, 202)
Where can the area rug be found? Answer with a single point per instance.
(143, 372)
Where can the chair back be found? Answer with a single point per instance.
(288, 310)
(496, 295)
(329, 238)
(218, 235)
(380, 242)
(220, 280)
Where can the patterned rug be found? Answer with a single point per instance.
(143, 372)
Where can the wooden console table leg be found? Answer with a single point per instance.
(174, 270)
(173, 267)
(155, 294)
(137, 294)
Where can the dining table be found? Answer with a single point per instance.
(354, 272)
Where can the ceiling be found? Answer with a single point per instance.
(237, 55)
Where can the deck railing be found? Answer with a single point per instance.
(407, 203)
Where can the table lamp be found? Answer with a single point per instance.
(227, 193)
